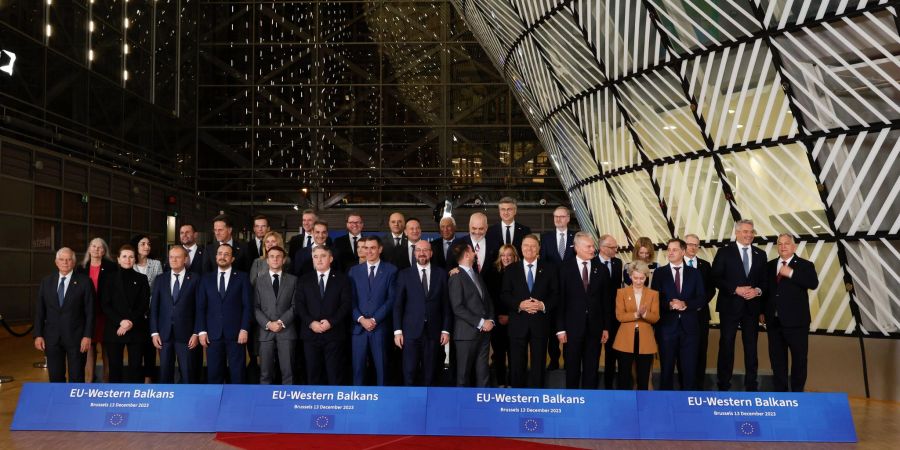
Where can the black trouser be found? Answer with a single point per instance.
(500, 347)
(644, 362)
(518, 360)
(702, 346)
(420, 360)
(611, 358)
(324, 359)
(781, 340)
(728, 327)
(582, 355)
(553, 345)
(115, 357)
(58, 356)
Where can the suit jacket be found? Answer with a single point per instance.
(376, 302)
(174, 319)
(497, 232)
(626, 306)
(242, 258)
(224, 317)
(303, 263)
(128, 299)
(583, 313)
(438, 257)
(252, 249)
(335, 307)
(490, 252)
(343, 252)
(692, 294)
(269, 308)
(400, 256)
(296, 243)
(728, 274)
(107, 268)
(68, 324)
(550, 251)
(417, 312)
(515, 289)
(789, 298)
(709, 287)
(468, 305)
(387, 242)
(616, 281)
(199, 258)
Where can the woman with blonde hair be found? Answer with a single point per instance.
(644, 251)
(97, 265)
(637, 309)
(260, 265)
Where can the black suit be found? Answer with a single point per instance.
(128, 299)
(63, 327)
(550, 253)
(400, 256)
(735, 311)
(529, 330)
(786, 306)
(610, 358)
(242, 259)
(492, 249)
(388, 243)
(324, 352)
(703, 318)
(344, 252)
(500, 334)
(199, 257)
(497, 233)
(302, 264)
(583, 316)
(438, 254)
(296, 243)
(253, 250)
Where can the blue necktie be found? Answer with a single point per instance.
(222, 284)
(691, 263)
(322, 285)
(746, 259)
(609, 267)
(530, 278)
(176, 288)
(371, 276)
(61, 291)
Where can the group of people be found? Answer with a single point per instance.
(381, 309)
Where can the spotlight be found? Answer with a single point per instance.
(8, 67)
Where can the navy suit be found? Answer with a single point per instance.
(63, 327)
(786, 306)
(583, 315)
(302, 264)
(324, 352)
(703, 318)
(296, 243)
(174, 320)
(242, 258)
(734, 310)
(421, 316)
(375, 301)
(678, 331)
(529, 330)
(550, 247)
(497, 233)
(439, 257)
(222, 318)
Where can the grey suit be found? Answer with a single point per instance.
(471, 304)
(268, 308)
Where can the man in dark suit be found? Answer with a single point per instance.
(786, 313)
(222, 230)
(421, 317)
(173, 310)
(404, 256)
(581, 319)
(324, 301)
(739, 272)
(304, 239)
(486, 249)
(187, 236)
(508, 231)
(373, 302)
(613, 265)
(440, 246)
(703, 317)
(273, 307)
(255, 245)
(556, 246)
(302, 263)
(64, 319)
(680, 296)
(394, 237)
(345, 247)
(530, 294)
(224, 309)
(473, 313)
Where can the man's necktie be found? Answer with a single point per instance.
(447, 248)
(396, 242)
(778, 277)
(561, 246)
(609, 267)
(477, 262)
(508, 236)
(585, 281)
(61, 291)
(371, 276)
(176, 288)
(424, 281)
(746, 258)
(259, 246)
(322, 285)
(677, 279)
(412, 255)
(354, 245)
(691, 262)
(308, 240)
(222, 284)
(275, 284)
(530, 279)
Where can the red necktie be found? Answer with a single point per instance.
(778, 277)
(584, 276)
(677, 279)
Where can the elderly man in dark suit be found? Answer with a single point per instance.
(64, 319)
(739, 271)
(273, 307)
(173, 310)
(440, 246)
(473, 312)
(613, 266)
(703, 316)
(786, 313)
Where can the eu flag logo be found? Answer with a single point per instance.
(116, 419)
(747, 428)
(531, 425)
(322, 422)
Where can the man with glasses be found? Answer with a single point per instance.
(613, 266)
(346, 247)
(709, 287)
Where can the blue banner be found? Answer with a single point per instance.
(532, 413)
(745, 416)
(323, 409)
(117, 407)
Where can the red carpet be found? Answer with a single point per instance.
(363, 442)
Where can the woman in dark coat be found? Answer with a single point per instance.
(98, 266)
(126, 306)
